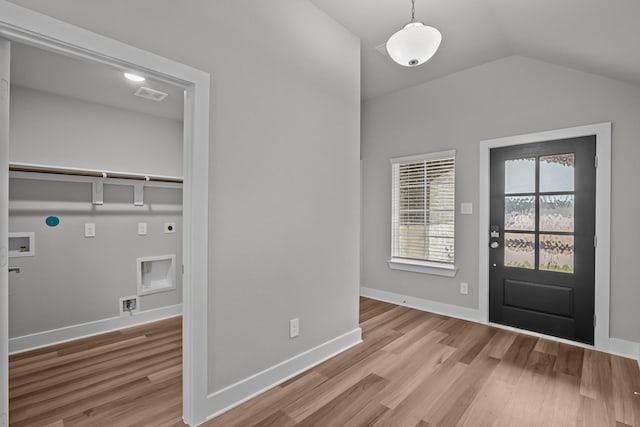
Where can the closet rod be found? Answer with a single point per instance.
(25, 167)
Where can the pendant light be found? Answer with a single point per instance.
(415, 43)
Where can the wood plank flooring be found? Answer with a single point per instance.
(418, 369)
(413, 369)
(131, 377)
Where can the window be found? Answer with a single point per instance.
(423, 213)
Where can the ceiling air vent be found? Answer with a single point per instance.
(152, 94)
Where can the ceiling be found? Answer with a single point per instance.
(596, 36)
(98, 83)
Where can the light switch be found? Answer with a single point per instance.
(90, 230)
(466, 208)
(142, 229)
(294, 327)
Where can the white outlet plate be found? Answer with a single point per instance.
(464, 288)
(294, 327)
(169, 227)
(142, 229)
(90, 230)
(466, 208)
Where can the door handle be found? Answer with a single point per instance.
(14, 270)
(494, 245)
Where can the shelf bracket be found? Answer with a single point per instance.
(98, 191)
(138, 192)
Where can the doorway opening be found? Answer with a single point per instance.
(95, 182)
(31, 28)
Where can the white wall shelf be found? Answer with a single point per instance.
(22, 244)
(97, 179)
(156, 274)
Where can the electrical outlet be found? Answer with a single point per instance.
(294, 327)
(89, 230)
(169, 227)
(142, 229)
(464, 288)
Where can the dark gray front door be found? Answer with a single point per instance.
(542, 254)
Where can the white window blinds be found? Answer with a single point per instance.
(423, 211)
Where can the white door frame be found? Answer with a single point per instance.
(602, 132)
(5, 74)
(29, 27)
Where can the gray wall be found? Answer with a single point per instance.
(285, 131)
(73, 279)
(57, 130)
(511, 96)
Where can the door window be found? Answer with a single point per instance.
(556, 253)
(520, 176)
(519, 250)
(556, 213)
(557, 172)
(539, 213)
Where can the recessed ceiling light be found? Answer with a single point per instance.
(134, 77)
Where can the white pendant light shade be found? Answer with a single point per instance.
(413, 45)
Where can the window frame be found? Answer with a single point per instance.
(408, 264)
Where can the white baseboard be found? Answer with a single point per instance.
(617, 346)
(624, 348)
(83, 330)
(456, 311)
(235, 394)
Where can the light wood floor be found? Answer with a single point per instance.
(131, 377)
(413, 369)
(420, 369)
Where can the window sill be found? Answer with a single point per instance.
(424, 267)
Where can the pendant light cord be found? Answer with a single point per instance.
(413, 10)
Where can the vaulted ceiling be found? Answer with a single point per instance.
(596, 36)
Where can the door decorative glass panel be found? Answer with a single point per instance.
(557, 173)
(520, 213)
(556, 213)
(539, 198)
(519, 250)
(556, 253)
(520, 176)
